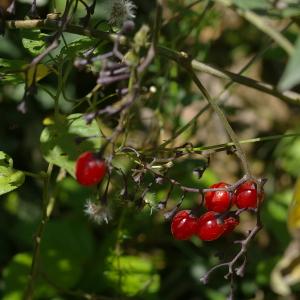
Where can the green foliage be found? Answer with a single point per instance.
(134, 275)
(34, 41)
(15, 276)
(256, 4)
(291, 76)
(64, 254)
(76, 47)
(134, 256)
(58, 140)
(10, 179)
(8, 68)
(288, 155)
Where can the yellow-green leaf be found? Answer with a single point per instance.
(10, 179)
(294, 210)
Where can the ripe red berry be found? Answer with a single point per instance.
(90, 169)
(218, 201)
(246, 195)
(229, 224)
(210, 227)
(184, 225)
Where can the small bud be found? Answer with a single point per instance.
(128, 27)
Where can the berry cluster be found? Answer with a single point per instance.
(218, 220)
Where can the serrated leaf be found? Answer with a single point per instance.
(291, 74)
(58, 141)
(10, 179)
(132, 274)
(34, 41)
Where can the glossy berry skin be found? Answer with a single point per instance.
(229, 224)
(218, 201)
(210, 227)
(184, 225)
(246, 195)
(90, 169)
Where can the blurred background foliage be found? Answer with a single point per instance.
(134, 255)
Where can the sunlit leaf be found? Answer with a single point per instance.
(13, 71)
(133, 274)
(16, 276)
(37, 73)
(58, 141)
(10, 179)
(34, 41)
(294, 210)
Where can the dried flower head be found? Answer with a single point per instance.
(121, 11)
(96, 212)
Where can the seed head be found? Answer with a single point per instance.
(96, 212)
(121, 11)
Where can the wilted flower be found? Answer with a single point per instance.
(121, 11)
(97, 212)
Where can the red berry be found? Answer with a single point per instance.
(90, 169)
(210, 227)
(229, 224)
(246, 195)
(218, 201)
(184, 225)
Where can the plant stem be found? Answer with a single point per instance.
(224, 121)
(28, 295)
(183, 60)
(225, 146)
(259, 22)
(287, 96)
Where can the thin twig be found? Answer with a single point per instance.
(28, 294)
(287, 96)
(184, 62)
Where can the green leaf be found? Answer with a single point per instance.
(291, 74)
(288, 155)
(34, 41)
(58, 141)
(291, 8)
(11, 71)
(253, 4)
(77, 46)
(133, 275)
(16, 276)
(11, 64)
(66, 246)
(10, 179)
